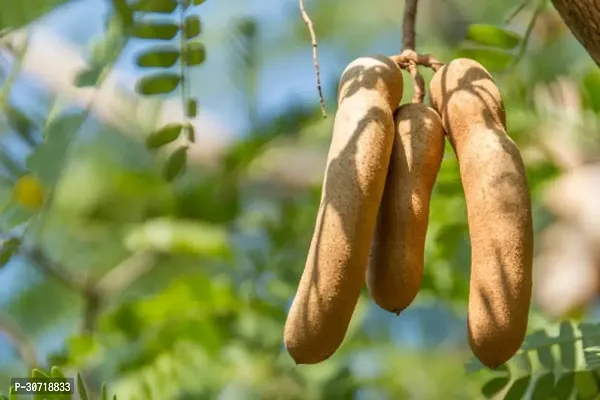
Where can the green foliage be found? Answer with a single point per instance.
(155, 6)
(491, 59)
(59, 133)
(165, 135)
(155, 30)
(549, 367)
(194, 279)
(191, 109)
(188, 53)
(191, 27)
(16, 15)
(494, 36)
(157, 57)
(8, 249)
(177, 236)
(158, 83)
(175, 164)
(56, 372)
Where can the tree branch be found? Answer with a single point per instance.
(53, 269)
(581, 17)
(409, 53)
(408, 25)
(93, 303)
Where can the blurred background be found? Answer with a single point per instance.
(179, 290)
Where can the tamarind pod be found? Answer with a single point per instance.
(363, 133)
(498, 208)
(395, 271)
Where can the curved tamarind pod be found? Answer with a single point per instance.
(363, 132)
(498, 208)
(395, 270)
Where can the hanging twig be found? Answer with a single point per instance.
(409, 54)
(313, 39)
(408, 25)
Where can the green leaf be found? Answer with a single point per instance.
(163, 136)
(544, 353)
(175, 164)
(155, 6)
(198, 2)
(47, 159)
(155, 30)
(567, 345)
(191, 27)
(195, 54)
(124, 12)
(247, 27)
(12, 395)
(14, 216)
(494, 386)
(591, 88)
(55, 372)
(564, 386)
(178, 236)
(8, 249)
(158, 58)
(103, 392)
(490, 35)
(81, 388)
(38, 373)
(592, 357)
(16, 14)
(591, 339)
(161, 83)
(88, 77)
(544, 387)
(190, 132)
(522, 362)
(20, 123)
(492, 59)
(518, 389)
(585, 384)
(191, 109)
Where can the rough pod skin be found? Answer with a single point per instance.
(498, 208)
(363, 131)
(397, 254)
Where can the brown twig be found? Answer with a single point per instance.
(418, 83)
(424, 60)
(313, 39)
(91, 309)
(408, 25)
(409, 59)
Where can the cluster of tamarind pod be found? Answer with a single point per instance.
(372, 221)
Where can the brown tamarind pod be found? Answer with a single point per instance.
(498, 208)
(395, 270)
(363, 133)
